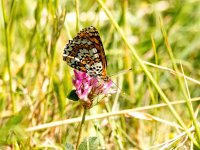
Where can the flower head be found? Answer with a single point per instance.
(87, 88)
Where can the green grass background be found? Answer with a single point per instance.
(143, 35)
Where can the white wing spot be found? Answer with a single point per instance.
(80, 55)
(94, 50)
(89, 42)
(77, 59)
(96, 56)
(66, 55)
(78, 41)
(72, 61)
(99, 65)
(85, 51)
(69, 49)
(84, 41)
(72, 44)
(87, 66)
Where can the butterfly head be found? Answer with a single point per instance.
(105, 78)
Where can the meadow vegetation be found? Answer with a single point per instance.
(157, 106)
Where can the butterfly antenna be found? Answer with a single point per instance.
(116, 85)
(119, 89)
(121, 72)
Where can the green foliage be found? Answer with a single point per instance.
(35, 81)
(90, 143)
(13, 129)
(69, 146)
(73, 96)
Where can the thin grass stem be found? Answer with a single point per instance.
(8, 53)
(77, 15)
(105, 115)
(188, 104)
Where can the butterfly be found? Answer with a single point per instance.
(86, 53)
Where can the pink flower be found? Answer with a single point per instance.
(87, 88)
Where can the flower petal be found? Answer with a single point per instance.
(107, 86)
(87, 87)
(79, 75)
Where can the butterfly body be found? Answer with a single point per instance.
(86, 53)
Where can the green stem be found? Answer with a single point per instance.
(7, 40)
(77, 15)
(186, 95)
(81, 127)
(129, 79)
(148, 74)
(156, 62)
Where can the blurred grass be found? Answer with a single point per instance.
(34, 81)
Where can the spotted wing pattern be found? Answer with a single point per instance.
(86, 53)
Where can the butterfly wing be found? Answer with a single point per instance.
(86, 53)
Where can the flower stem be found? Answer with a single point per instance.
(80, 129)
